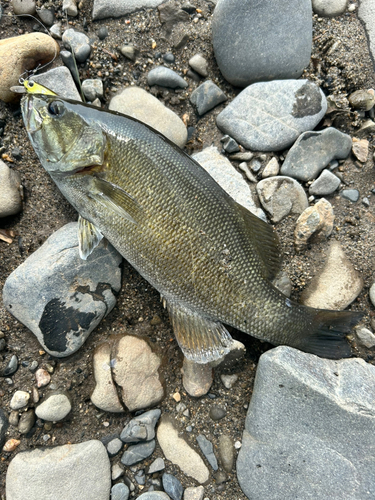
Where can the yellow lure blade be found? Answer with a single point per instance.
(35, 88)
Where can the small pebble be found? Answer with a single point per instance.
(33, 366)
(366, 202)
(11, 445)
(10, 367)
(228, 380)
(350, 194)
(208, 450)
(172, 486)
(237, 445)
(120, 492)
(102, 32)
(156, 466)
(19, 400)
(24, 7)
(129, 52)
(199, 64)
(372, 294)
(226, 452)
(117, 471)
(114, 447)
(26, 422)
(42, 378)
(169, 58)
(360, 149)
(365, 337)
(217, 412)
(14, 418)
(271, 169)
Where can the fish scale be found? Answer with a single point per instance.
(210, 259)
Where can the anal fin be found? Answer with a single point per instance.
(89, 237)
(200, 339)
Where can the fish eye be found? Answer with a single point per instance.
(31, 84)
(56, 108)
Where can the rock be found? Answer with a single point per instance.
(92, 88)
(60, 473)
(138, 452)
(199, 64)
(156, 466)
(372, 294)
(10, 193)
(226, 452)
(120, 492)
(217, 412)
(179, 452)
(350, 194)
(129, 52)
(20, 54)
(14, 418)
(103, 9)
(194, 493)
(141, 428)
(105, 394)
(114, 446)
(70, 7)
(42, 377)
(60, 81)
(362, 100)
(281, 196)
(365, 337)
(314, 224)
(102, 32)
(207, 96)
(229, 380)
(55, 407)
(197, 378)
(325, 184)
(208, 450)
(165, 77)
(24, 7)
(11, 445)
(77, 42)
(4, 425)
(55, 31)
(229, 144)
(258, 41)
(117, 471)
(360, 149)
(143, 106)
(310, 425)
(26, 422)
(172, 486)
(10, 366)
(271, 169)
(329, 8)
(313, 151)
(154, 495)
(336, 285)
(367, 127)
(47, 16)
(229, 179)
(19, 400)
(269, 116)
(68, 59)
(59, 296)
(135, 370)
(170, 14)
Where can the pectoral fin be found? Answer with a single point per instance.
(200, 339)
(115, 199)
(89, 237)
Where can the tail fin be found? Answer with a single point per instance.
(328, 336)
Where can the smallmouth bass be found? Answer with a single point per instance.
(211, 260)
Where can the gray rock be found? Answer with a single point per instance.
(24, 7)
(281, 196)
(226, 452)
(172, 486)
(258, 41)
(70, 7)
(314, 224)
(54, 408)
(136, 371)
(229, 144)
(55, 31)
(114, 446)
(199, 64)
(229, 380)
(310, 426)
(138, 452)
(336, 285)
(154, 495)
(59, 80)
(68, 59)
(9, 366)
(365, 337)
(229, 179)
(329, 8)
(4, 425)
(217, 412)
(120, 492)
(78, 42)
(19, 400)
(313, 151)
(26, 421)
(165, 77)
(129, 52)
(269, 116)
(194, 493)
(362, 100)
(60, 473)
(176, 449)
(208, 450)
(103, 9)
(325, 184)
(156, 466)
(60, 297)
(92, 88)
(271, 169)
(350, 194)
(197, 378)
(47, 16)
(141, 428)
(10, 192)
(207, 96)
(143, 106)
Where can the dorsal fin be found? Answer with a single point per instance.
(265, 240)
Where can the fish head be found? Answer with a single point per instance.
(63, 140)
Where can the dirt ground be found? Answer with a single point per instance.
(340, 64)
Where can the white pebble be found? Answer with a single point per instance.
(19, 400)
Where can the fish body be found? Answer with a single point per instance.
(211, 259)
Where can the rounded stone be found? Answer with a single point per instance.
(199, 64)
(329, 8)
(23, 7)
(165, 77)
(19, 400)
(217, 412)
(372, 294)
(54, 408)
(10, 192)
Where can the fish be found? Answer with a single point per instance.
(212, 260)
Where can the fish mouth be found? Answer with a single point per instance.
(32, 118)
